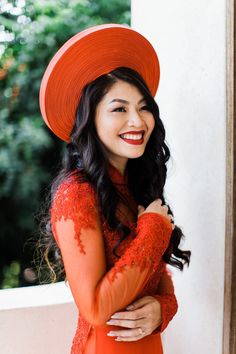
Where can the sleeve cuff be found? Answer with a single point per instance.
(151, 218)
(169, 307)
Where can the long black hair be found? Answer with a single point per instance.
(86, 154)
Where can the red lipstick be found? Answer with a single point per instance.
(132, 141)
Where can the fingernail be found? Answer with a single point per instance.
(118, 339)
(110, 334)
(115, 316)
(130, 307)
(110, 322)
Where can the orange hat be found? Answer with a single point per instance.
(84, 57)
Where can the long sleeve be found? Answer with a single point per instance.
(78, 232)
(166, 296)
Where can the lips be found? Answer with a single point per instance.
(133, 141)
(134, 132)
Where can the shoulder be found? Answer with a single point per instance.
(74, 207)
(73, 186)
(72, 195)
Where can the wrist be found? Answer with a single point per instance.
(151, 218)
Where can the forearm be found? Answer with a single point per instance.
(101, 294)
(166, 296)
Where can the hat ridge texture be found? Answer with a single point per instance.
(87, 55)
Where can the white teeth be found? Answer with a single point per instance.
(132, 137)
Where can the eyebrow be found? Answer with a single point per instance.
(120, 100)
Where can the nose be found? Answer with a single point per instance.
(135, 119)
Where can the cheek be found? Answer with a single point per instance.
(106, 128)
(151, 124)
(100, 125)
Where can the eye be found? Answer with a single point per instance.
(145, 108)
(119, 109)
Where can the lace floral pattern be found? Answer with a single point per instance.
(169, 307)
(140, 255)
(110, 240)
(67, 205)
(154, 279)
(80, 336)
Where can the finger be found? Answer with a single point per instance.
(140, 209)
(165, 209)
(126, 334)
(138, 303)
(129, 315)
(159, 201)
(127, 323)
(133, 339)
(130, 339)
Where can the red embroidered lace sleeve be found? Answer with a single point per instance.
(78, 231)
(165, 295)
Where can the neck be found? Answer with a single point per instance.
(119, 166)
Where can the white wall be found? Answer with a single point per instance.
(37, 319)
(189, 37)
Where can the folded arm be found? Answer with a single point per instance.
(77, 229)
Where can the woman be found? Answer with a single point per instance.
(113, 232)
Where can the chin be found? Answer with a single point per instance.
(135, 155)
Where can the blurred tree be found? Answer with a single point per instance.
(30, 33)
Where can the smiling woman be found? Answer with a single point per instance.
(108, 225)
(124, 127)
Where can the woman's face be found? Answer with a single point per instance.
(123, 123)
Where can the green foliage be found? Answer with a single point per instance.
(11, 275)
(29, 153)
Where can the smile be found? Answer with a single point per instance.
(134, 139)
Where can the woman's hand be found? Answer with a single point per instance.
(156, 207)
(141, 319)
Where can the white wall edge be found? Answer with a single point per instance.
(35, 296)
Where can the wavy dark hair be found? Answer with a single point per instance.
(86, 153)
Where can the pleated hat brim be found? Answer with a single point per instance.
(86, 56)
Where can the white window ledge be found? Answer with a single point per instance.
(34, 296)
(38, 319)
